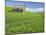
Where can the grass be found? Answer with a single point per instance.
(24, 22)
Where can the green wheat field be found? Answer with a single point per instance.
(26, 22)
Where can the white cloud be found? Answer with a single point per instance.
(31, 0)
(21, 0)
(34, 10)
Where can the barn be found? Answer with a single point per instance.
(19, 7)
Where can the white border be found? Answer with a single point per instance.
(2, 18)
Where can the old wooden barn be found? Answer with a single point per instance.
(19, 7)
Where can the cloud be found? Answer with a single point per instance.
(34, 10)
(30, 0)
(21, 0)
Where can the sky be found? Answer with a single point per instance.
(29, 6)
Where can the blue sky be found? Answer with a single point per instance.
(28, 5)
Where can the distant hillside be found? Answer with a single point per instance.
(7, 8)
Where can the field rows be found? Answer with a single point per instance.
(24, 22)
